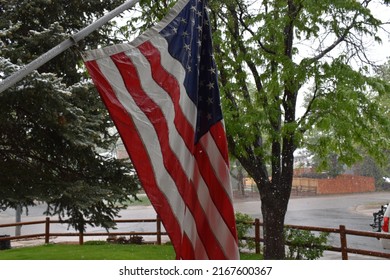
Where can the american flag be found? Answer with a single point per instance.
(162, 93)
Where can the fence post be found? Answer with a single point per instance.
(47, 230)
(257, 235)
(158, 227)
(343, 240)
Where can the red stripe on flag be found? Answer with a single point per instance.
(218, 194)
(219, 136)
(188, 183)
(187, 253)
(137, 152)
(171, 163)
(170, 85)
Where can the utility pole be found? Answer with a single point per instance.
(73, 40)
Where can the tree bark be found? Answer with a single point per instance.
(274, 203)
(273, 218)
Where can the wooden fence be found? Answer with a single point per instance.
(47, 234)
(342, 231)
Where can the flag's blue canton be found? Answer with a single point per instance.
(189, 41)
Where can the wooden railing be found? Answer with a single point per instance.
(342, 231)
(48, 234)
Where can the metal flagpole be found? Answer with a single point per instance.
(35, 64)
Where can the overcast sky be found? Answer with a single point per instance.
(381, 52)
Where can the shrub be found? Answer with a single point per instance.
(244, 224)
(304, 245)
(133, 239)
(136, 239)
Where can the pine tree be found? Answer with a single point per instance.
(53, 124)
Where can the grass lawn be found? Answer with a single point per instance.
(96, 252)
(90, 252)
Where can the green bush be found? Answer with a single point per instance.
(244, 223)
(304, 245)
(133, 239)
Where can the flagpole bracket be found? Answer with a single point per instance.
(76, 46)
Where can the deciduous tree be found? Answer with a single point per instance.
(289, 50)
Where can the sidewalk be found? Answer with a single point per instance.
(328, 255)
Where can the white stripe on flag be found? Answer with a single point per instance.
(217, 162)
(144, 88)
(185, 157)
(177, 70)
(165, 182)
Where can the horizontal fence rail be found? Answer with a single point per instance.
(341, 231)
(48, 234)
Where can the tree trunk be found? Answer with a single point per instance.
(274, 207)
(273, 233)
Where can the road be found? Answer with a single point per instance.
(353, 210)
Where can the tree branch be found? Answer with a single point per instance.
(308, 111)
(246, 28)
(238, 39)
(340, 39)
